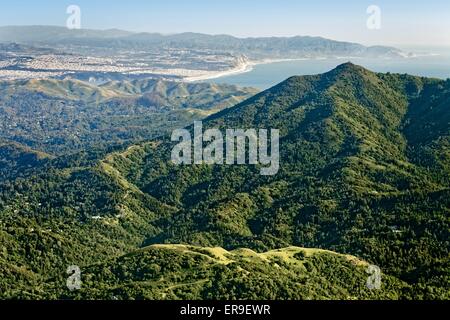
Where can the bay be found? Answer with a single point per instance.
(264, 76)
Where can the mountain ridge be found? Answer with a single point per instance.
(256, 47)
(351, 180)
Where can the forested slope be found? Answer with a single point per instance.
(364, 171)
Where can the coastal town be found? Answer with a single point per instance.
(22, 63)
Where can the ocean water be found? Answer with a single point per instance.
(267, 75)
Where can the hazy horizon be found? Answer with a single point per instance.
(407, 46)
(402, 23)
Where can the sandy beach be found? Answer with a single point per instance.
(241, 68)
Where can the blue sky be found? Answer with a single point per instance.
(402, 22)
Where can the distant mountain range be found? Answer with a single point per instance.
(364, 171)
(254, 48)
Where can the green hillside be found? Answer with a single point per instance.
(15, 159)
(363, 172)
(67, 116)
(214, 273)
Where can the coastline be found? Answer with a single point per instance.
(243, 68)
(249, 65)
(240, 69)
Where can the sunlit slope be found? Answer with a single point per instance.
(65, 116)
(215, 273)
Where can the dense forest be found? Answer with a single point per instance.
(364, 172)
(67, 116)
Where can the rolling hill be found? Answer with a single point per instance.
(15, 159)
(67, 116)
(215, 273)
